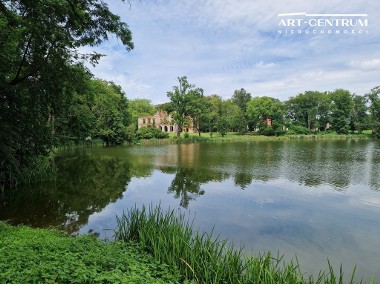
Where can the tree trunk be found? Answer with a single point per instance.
(179, 128)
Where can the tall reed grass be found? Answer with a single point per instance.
(205, 258)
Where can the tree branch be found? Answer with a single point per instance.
(75, 11)
(15, 80)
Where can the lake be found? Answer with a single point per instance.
(310, 199)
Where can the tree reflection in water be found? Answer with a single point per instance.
(85, 185)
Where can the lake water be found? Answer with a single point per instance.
(307, 199)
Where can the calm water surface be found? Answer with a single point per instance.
(307, 199)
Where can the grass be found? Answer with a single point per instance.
(48, 256)
(204, 258)
(40, 169)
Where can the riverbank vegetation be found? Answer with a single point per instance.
(205, 258)
(49, 256)
(151, 246)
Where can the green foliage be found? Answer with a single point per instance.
(168, 107)
(341, 110)
(241, 98)
(48, 256)
(204, 258)
(185, 99)
(41, 69)
(261, 108)
(296, 129)
(267, 131)
(223, 125)
(151, 132)
(140, 107)
(234, 116)
(209, 123)
(75, 119)
(310, 109)
(198, 109)
(359, 120)
(374, 110)
(111, 112)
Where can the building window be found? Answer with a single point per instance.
(144, 120)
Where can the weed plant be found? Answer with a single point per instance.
(48, 256)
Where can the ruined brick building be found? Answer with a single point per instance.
(161, 119)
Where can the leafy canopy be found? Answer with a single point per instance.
(41, 67)
(184, 98)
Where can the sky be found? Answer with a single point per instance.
(226, 45)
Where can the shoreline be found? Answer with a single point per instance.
(234, 137)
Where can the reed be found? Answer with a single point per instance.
(205, 258)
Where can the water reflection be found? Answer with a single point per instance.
(186, 186)
(313, 199)
(86, 184)
(92, 178)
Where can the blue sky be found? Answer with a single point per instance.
(226, 45)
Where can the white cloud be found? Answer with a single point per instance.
(366, 64)
(261, 64)
(226, 45)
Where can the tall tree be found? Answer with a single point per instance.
(341, 110)
(198, 109)
(182, 98)
(374, 110)
(40, 66)
(359, 116)
(111, 111)
(75, 120)
(259, 109)
(241, 98)
(309, 109)
(209, 123)
(234, 116)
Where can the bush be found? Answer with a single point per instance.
(267, 131)
(296, 130)
(150, 132)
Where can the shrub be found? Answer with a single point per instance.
(151, 132)
(267, 131)
(296, 130)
